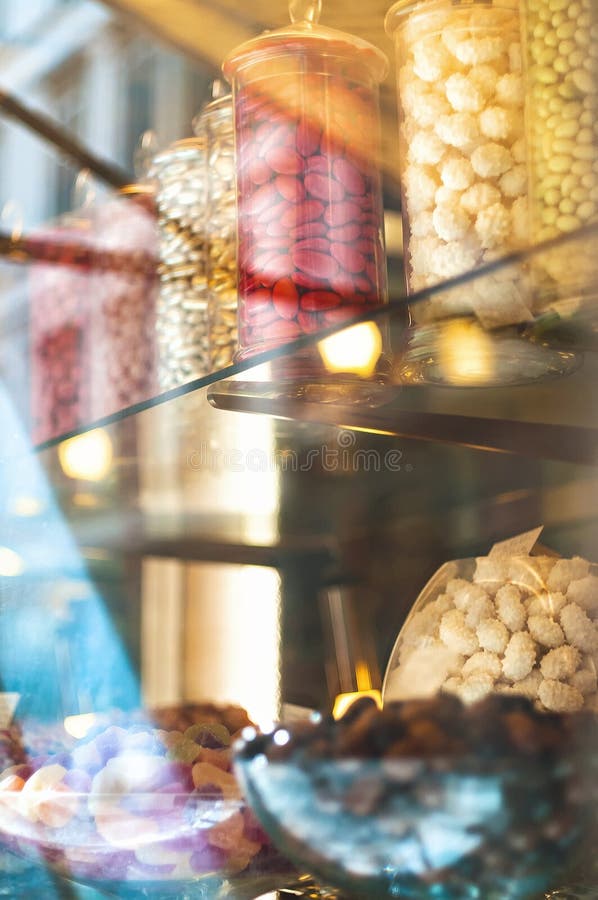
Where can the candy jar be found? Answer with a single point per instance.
(310, 218)
(60, 307)
(216, 122)
(462, 152)
(123, 364)
(182, 310)
(562, 79)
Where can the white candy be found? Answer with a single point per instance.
(491, 160)
(459, 130)
(579, 629)
(423, 253)
(456, 173)
(520, 219)
(560, 663)
(546, 604)
(476, 687)
(584, 592)
(483, 661)
(529, 685)
(514, 182)
(455, 634)
(493, 635)
(480, 609)
(493, 225)
(485, 79)
(479, 196)
(585, 681)
(446, 197)
(480, 50)
(456, 257)
(426, 148)
(510, 90)
(545, 631)
(420, 187)
(422, 224)
(511, 610)
(491, 571)
(520, 657)
(497, 123)
(565, 571)
(431, 59)
(462, 94)
(450, 222)
(559, 697)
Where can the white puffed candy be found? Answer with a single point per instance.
(561, 663)
(462, 94)
(498, 302)
(422, 255)
(433, 106)
(493, 635)
(519, 657)
(426, 148)
(446, 196)
(497, 123)
(514, 182)
(452, 685)
(529, 685)
(559, 697)
(547, 603)
(520, 219)
(456, 257)
(519, 150)
(479, 609)
(450, 222)
(585, 681)
(510, 90)
(441, 605)
(480, 50)
(465, 595)
(579, 629)
(459, 130)
(431, 59)
(483, 661)
(584, 592)
(565, 571)
(511, 610)
(420, 187)
(485, 78)
(479, 196)
(455, 634)
(456, 173)
(413, 95)
(545, 631)
(493, 225)
(491, 160)
(491, 571)
(476, 687)
(527, 574)
(422, 224)
(455, 584)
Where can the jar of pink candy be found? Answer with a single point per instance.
(310, 218)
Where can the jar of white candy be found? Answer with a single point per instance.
(511, 624)
(462, 153)
(562, 76)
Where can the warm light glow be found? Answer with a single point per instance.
(87, 456)
(466, 354)
(367, 430)
(27, 507)
(355, 349)
(11, 563)
(344, 701)
(79, 726)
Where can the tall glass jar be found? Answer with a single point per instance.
(310, 217)
(182, 308)
(462, 152)
(562, 70)
(216, 123)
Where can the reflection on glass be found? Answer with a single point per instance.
(356, 349)
(87, 456)
(79, 726)
(11, 564)
(466, 353)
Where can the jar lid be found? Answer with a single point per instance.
(402, 7)
(306, 36)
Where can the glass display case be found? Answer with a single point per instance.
(186, 570)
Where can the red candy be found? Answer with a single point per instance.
(310, 218)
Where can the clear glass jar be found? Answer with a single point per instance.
(182, 310)
(311, 245)
(216, 122)
(562, 78)
(462, 152)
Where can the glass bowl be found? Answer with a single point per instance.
(387, 806)
(507, 624)
(141, 811)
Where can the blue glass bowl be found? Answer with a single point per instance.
(424, 828)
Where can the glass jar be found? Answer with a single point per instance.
(562, 78)
(182, 309)
(310, 218)
(123, 362)
(462, 153)
(216, 123)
